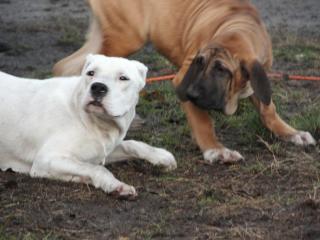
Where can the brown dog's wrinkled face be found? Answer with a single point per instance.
(216, 81)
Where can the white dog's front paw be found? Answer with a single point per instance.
(302, 139)
(223, 155)
(162, 157)
(125, 191)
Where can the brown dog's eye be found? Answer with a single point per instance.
(218, 66)
(90, 73)
(221, 71)
(124, 78)
(200, 60)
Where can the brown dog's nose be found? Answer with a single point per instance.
(98, 90)
(193, 93)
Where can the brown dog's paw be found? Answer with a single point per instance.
(301, 138)
(223, 155)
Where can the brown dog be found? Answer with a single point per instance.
(221, 47)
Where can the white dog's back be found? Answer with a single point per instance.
(18, 124)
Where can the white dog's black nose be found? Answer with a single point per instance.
(98, 90)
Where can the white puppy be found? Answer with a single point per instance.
(68, 128)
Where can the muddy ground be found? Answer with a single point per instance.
(274, 194)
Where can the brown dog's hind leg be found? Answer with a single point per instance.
(276, 125)
(113, 44)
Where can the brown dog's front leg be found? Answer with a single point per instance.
(201, 126)
(276, 125)
(203, 131)
(204, 134)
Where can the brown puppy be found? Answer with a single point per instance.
(221, 47)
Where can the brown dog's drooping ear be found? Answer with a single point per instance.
(259, 80)
(195, 71)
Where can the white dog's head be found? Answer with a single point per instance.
(112, 85)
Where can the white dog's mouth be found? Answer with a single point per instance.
(97, 107)
(96, 103)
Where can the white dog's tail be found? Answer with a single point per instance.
(72, 65)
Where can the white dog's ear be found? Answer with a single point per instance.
(89, 60)
(143, 70)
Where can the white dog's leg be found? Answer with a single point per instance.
(131, 149)
(69, 169)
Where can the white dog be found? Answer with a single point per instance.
(68, 128)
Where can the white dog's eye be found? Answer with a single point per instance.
(90, 73)
(124, 78)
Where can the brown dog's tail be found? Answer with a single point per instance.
(72, 65)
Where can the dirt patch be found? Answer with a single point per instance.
(274, 194)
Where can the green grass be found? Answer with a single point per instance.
(18, 50)
(155, 61)
(210, 197)
(71, 37)
(4, 236)
(41, 74)
(297, 53)
(27, 236)
(164, 118)
(309, 119)
(254, 168)
(72, 33)
(152, 230)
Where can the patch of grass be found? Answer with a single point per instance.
(309, 119)
(26, 236)
(41, 74)
(18, 50)
(209, 197)
(155, 61)
(71, 37)
(72, 33)
(4, 236)
(245, 232)
(297, 53)
(152, 230)
(254, 168)
(165, 121)
(245, 123)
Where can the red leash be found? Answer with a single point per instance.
(294, 77)
(161, 78)
(271, 75)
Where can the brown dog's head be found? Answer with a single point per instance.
(216, 80)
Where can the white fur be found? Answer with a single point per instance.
(48, 129)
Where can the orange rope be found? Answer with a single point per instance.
(271, 75)
(161, 78)
(294, 77)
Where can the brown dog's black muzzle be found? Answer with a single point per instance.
(193, 93)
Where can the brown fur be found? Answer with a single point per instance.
(180, 29)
